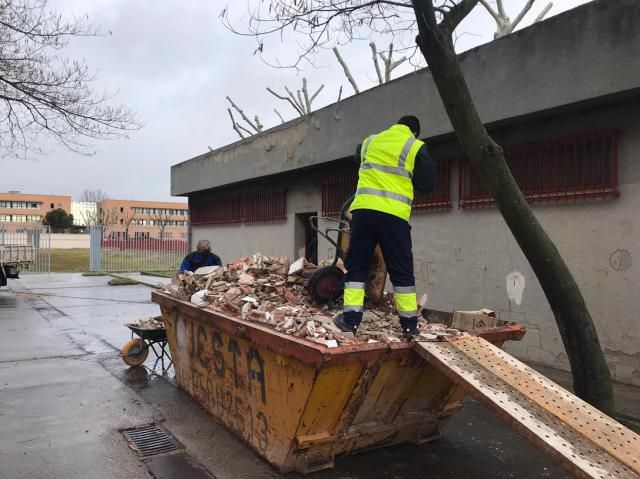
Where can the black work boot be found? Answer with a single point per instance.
(343, 325)
(411, 333)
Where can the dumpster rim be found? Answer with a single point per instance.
(307, 350)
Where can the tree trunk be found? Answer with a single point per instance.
(591, 375)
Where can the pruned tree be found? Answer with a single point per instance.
(104, 218)
(128, 218)
(387, 59)
(93, 196)
(434, 23)
(161, 221)
(251, 128)
(42, 93)
(504, 24)
(301, 101)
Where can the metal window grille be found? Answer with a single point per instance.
(440, 198)
(561, 169)
(337, 189)
(266, 205)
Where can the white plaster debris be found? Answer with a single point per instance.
(272, 291)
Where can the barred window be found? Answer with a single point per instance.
(560, 169)
(336, 189)
(261, 205)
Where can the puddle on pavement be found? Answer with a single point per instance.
(140, 377)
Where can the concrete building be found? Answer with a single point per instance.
(562, 96)
(16, 207)
(146, 219)
(83, 211)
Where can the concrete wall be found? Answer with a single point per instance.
(468, 259)
(68, 241)
(583, 54)
(233, 241)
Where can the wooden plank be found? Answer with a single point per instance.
(586, 442)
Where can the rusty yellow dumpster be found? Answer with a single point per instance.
(299, 403)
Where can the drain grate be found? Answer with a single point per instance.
(150, 440)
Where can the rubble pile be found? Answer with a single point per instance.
(272, 291)
(148, 324)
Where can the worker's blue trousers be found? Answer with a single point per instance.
(369, 228)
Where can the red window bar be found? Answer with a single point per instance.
(239, 206)
(561, 169)
(216, 208)
(335, 191)
(264, 206)
(440, 198)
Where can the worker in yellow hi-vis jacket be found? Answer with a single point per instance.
(392, 163)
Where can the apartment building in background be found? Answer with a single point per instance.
(17, 207)
(145, 219)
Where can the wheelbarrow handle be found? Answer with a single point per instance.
(343, 225)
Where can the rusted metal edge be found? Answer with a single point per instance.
(528, 433)
(306, 350)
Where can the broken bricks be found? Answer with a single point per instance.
(271, 291)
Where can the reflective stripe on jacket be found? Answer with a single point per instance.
(384, 180)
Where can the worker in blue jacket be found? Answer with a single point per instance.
(199, 258)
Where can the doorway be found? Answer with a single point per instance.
(306, 238)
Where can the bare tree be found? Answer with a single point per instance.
(254, 125)
(387, 59)
(127, 219)
(435, 21)
(504, 24)
(161, 220)
(301, 101)
(105, 218)
(93, 196)
(42, 92)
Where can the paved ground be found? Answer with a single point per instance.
(64, 393)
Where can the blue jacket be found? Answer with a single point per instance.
(196, 260)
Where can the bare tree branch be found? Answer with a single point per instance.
(306, 95)
(293, 104)
(346, 70)
(313, 97)
(279, 115)
(374, 55)
(544, 12)
(234, 124)
(42, 92)
(257, 127)
(522, 13)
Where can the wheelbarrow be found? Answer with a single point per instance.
(136, 350)
(326, 284)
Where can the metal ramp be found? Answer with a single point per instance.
(587, 443)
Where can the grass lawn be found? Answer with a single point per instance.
(122, 282)
(75, 260)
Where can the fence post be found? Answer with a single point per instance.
(95, 243)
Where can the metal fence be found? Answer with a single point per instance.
(32, 235)
(127, 255)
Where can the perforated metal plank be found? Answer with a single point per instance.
(586, 442)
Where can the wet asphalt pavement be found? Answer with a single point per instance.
(65, 393)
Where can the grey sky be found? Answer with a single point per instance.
(174, 63)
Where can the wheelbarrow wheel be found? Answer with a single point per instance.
(323, 284)
(135, 352)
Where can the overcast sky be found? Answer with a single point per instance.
(174, 63)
